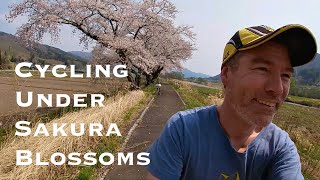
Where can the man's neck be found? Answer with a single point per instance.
(239, 131)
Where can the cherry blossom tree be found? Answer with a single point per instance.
(139, 34)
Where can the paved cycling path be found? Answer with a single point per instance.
(162, 108)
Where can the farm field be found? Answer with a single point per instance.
(9, 85)
(304, 101)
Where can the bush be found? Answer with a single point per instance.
(306, 91)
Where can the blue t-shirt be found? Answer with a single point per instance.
(194, 146)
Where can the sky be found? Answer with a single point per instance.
(214, 22)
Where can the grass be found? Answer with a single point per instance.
(105, 86)
(195, 96)
(114, 111)
(125, 111)
(304, 101)
(85, 173)
(112, 144)
(43, 116)
(301, 123)
(150, 90)
(3, 134)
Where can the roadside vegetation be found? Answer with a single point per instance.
(113, 144)
(302, 123)
(304, 101)
(10, 113)
(303, 90)
(195, 96)
(119, 109)
(306, 91)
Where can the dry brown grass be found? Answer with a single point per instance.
(182, 84)
(215, 99)
(114, 111)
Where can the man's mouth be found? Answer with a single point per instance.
(267, 103)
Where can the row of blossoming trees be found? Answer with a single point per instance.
(140, 34)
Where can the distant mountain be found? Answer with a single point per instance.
(188, 73)
(40, 53)
(83, 55)
(216, 78)
(309, 73)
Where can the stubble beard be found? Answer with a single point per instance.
(246, 114)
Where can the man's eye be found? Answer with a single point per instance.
(262, 69)
(287, 76)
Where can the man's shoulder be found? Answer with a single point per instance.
(284, 158)
(277, 136)
(276, 130)
(192, 115)
(198, 110)
(193, 118)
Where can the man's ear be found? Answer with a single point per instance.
(224, 75)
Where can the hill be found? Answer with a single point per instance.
(41, 54)
(86, 56)
(188, 73)
(309, 73)
(216, 78)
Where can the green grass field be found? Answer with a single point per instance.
(302, 124)
(195, 96)
(304, 101)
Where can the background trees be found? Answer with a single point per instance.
(6, 57)
(139, 34)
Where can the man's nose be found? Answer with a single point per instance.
(274, 84)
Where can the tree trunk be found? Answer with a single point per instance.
(148, 79)
(153, 76)
(135, 78)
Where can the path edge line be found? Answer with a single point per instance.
(135, 125)
(124, 144)
(180, 97)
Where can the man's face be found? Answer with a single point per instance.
(260, 83)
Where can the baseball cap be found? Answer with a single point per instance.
(299, 40)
